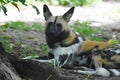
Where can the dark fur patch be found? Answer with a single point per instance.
(117, 64)
(62, 58)
(52, 30)
(51, 41)
(55, 21)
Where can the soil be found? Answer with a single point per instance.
(103, 15)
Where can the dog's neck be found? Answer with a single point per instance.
(71, 39)
(67, 39)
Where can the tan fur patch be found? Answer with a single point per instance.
(116, 58)
(70, 39)
(89, 45)
(99, 61)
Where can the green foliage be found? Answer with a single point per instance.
(70, 2)
(29, 51)
(38, 27)
(22, 49)
(18, 25)
(86, 31)
(22, 1)
(113, 41)
(18, 47)
(14, 3)
(37, 10)
(44, 49)
(83, 28)
(5, 40)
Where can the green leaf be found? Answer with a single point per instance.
(15, 0)
(14, 4)
(37, 10)
(0, 8)
(2, 2)
(4, 9)
(22, 1)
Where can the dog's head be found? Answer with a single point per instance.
(57, 28)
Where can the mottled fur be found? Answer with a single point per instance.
(68, 49)
(88, 45)
(106, 58)
(60, 38)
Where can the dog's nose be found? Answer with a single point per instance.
(52, 31)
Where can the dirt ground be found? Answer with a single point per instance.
(105, 15)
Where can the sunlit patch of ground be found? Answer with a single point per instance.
(99, 14)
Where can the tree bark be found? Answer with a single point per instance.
(7, 72)
(13, 68)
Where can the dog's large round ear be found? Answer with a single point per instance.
(68, 14)
(46, 12)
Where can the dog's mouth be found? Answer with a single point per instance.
(53, 35)
(55, 38)
(53, 32)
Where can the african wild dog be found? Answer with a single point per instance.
(61, 39)
(65, 46)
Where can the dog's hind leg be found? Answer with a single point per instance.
(98, 62)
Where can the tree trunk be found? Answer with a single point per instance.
(13, 68)
(7, 72)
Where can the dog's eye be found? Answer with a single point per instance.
(59, 26)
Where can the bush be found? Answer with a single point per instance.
(70, 2)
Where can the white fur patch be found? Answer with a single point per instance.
(99, 71)
(115, 72)
(65, 50)
(102, 72)
(85, 72)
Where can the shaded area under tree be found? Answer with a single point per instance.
(13, 68)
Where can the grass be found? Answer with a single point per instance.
(19, 48)
(23, 49)
(18, 25)
(44, 49)
(38, 27)
(6, 42)
(86, 31)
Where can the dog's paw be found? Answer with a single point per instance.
(115, 72)
(102, 72)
